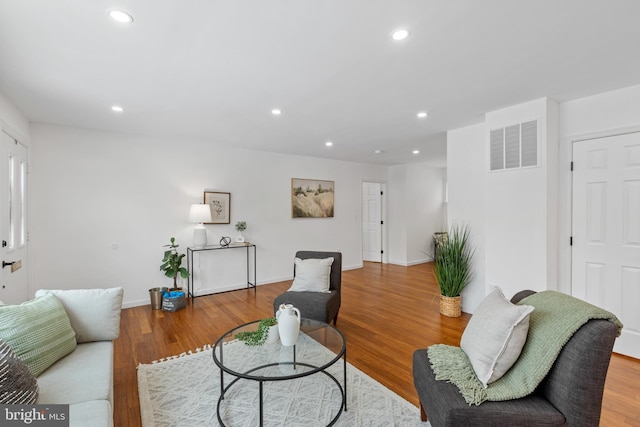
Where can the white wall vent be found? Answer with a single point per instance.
(514, 146)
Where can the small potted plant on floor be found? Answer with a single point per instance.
(267, 332)
(452, 267)
(172, 264)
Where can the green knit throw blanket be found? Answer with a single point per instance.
(552, 323)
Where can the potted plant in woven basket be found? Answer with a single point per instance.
(452, 268)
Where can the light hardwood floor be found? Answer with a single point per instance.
(387, 312)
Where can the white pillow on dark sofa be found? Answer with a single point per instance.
(495, 335)
(312, 275)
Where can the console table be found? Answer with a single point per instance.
(246, 246)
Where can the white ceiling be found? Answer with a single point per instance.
(214, 69)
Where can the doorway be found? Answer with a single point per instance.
(373, 221)
(13, 220)
(605, 255)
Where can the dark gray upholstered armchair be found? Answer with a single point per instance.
(570, 395)
(317, 305)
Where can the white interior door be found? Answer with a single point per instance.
(372, 221)
(606, 230)
(13, 221)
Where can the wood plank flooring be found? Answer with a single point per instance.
(387, 312)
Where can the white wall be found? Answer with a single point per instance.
(397, 239)
(13, 121)
(512, 214)
(521, 210)
(416, 211)
(466, 178)
(104, 204)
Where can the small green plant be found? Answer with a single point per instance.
(452, 263)
(241, 225)
(259, 336)
(171, 263)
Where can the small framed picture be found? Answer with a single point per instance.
(220, 204)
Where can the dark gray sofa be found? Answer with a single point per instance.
(317, 305)
(570, 395)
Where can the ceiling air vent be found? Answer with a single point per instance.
(514, 147)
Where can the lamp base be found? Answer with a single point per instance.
(199, 237)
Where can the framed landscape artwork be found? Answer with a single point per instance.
(220, 204)
(311, 198)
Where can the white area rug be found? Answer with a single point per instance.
(184, 390)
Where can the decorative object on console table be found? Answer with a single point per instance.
(171, 263)
(311, 198)
(240, 227)
(200, 213)
(220, 205)
(225, 241)
(452, 268)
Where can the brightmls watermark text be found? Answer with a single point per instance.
(34, 415)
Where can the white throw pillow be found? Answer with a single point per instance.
(312, 274)
(495, 335)
(94, 313)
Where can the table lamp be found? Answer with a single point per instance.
(200, 213)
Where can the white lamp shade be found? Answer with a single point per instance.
(200, 213)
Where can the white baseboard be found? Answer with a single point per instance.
(410, 263)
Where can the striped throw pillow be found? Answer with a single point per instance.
(38, 331)
(17, 385)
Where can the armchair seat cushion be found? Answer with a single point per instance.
(446, 407)
(322, 306)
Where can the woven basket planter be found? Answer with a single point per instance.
(450, 306)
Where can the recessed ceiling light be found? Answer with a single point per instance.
(276, 111)
(378, 152)
(121, 16)
(400, 34)
(328, 143)
(117, 109)
(416, 151)
(422, 114)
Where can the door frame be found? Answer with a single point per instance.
(25, 142)
(565, 199)
(383, 218)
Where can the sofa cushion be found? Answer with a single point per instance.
(18, 386)
(312, 275)
(495, 335)
(94, 413)
(94, 313)
(38, 331)
(86, 374)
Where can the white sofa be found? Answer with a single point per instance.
(84, 378)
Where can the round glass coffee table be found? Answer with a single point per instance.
(319, 347)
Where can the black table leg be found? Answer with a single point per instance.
(261, 414)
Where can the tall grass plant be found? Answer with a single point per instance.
(453, 261)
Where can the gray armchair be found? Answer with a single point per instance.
(317, 305)
(570, 395)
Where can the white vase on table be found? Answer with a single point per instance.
(288, 324)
